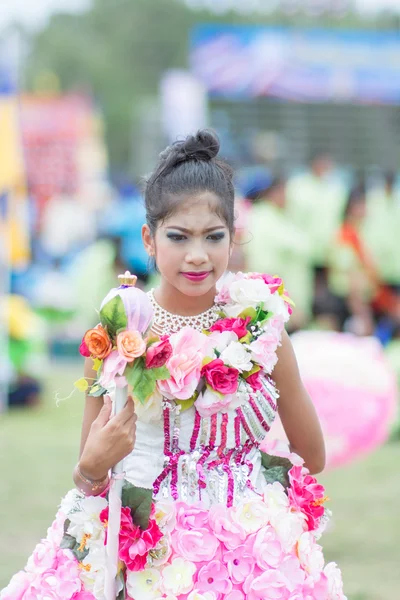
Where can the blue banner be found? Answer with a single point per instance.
(302, 65)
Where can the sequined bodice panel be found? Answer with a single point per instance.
(183, 456)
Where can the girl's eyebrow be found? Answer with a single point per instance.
(189, 231)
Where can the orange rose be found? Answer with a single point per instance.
(98, 343)
(130, 345)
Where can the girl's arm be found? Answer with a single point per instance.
(297, 411)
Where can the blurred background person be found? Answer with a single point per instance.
(277, 245)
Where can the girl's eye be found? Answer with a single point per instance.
(176, 237)
(216, 237)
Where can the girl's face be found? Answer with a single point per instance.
(191, 247)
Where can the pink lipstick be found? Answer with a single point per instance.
(194, 276)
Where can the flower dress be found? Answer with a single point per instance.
(233, 514)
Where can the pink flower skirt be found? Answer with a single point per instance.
(263, 548)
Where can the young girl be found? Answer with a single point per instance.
(224, 523)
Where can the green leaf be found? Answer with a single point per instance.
(68, 542)
(121, 580)
(161, 373)
(113, 316)
(80, 554)
(186, 404)
(97, 390)
(142, 380)
(276, 468)
(139, 500)
(248, 312)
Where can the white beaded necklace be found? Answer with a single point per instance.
(166, 323)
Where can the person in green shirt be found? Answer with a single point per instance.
(277, 245)
(315, 203)
(382, 230)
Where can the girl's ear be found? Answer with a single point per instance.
(148, 240)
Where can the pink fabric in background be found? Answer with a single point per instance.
(353, 388)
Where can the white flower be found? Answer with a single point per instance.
(276, 499)
(335, 582)
(196, 595)
(219, 340)
(152, 409)
(71, 500)
(86, 520)
(288, 526)
(249, 292)
(236, 355)
(178, 577)
(144, 584)
(162, 552)
(276, 305)
(92, 573)
(310, 554)
(251, 515)
(165, 515)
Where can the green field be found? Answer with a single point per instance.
(38, 449)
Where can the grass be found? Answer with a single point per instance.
(39, 447)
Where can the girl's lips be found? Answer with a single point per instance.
(193, 276)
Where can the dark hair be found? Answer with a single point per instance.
(357, 194)
(189, 167)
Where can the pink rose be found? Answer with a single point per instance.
(158, 354)
(83, 596)
(17, 587)
(267, 549)
(214, 577)
(225, 529)
(134, 543)
(83, 349)
(263, 350)
(270, 585)
(238, 326)
(255, 381)
(240, 564)
(191, 516)
(196, 545)
(305, 494)
(222, 379)
(113, 365)
(43, 558)
(274, 283)
(209, 402)
(185, 364)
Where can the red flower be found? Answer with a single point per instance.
(238, 326)
(83, 349)
(158, 354)
(254, 381)
(221, 378)
(306, 494)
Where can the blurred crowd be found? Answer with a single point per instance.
(335, 243)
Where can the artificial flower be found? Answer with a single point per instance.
(195, 545)
(307, 495)
(240, 564)
(310, 554)
(184, 365)
(157, 354)
(83, 349)
(113, 369)
(98, 342)
(190, 516)
(251, 514)
(177, 577)
(209, 402)
(221, 378)
(145, 585)
(225, 528)
(214, 577)
(236, 356)
(267, 549)
(238, 326)
(130, 345)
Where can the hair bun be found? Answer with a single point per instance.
(202, 146)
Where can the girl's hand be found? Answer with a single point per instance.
(110, 439)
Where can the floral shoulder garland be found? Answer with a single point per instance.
(212, 369)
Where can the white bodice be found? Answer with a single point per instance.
(181, 455)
